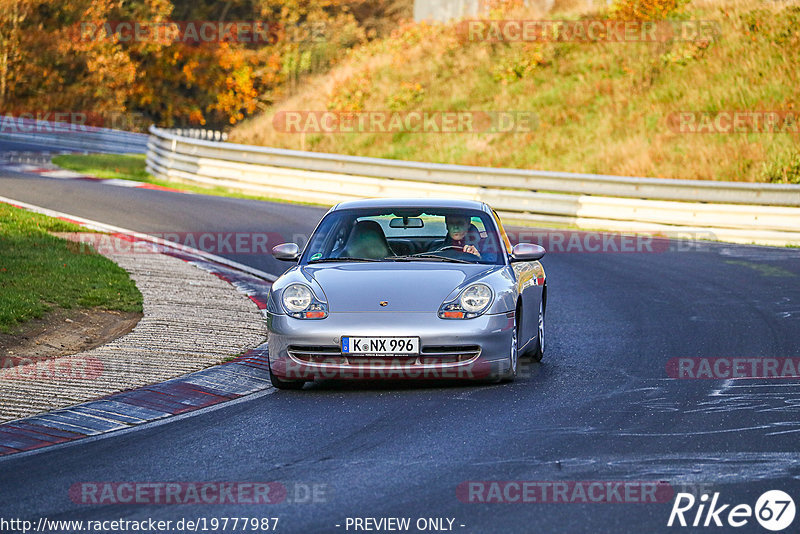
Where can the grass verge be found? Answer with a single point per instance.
(108, 166)
(39, 271)
(132, 167)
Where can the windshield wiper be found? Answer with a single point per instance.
(423, 257)
(332, 260)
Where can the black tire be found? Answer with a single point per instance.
(513, 358)
(279, 383)
(538, 354)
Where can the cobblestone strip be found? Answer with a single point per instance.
(192, 320)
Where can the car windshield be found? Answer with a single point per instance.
(405, 235)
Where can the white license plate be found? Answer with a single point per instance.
(380, 345)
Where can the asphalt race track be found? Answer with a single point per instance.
(600, 407)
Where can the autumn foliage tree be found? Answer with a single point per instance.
(51, 68)
(50, 62)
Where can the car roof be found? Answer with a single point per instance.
(412, 203)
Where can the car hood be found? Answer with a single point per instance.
(407, 287)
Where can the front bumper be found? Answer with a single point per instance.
(470, 349)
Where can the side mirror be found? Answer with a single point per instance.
(527, 252)
(286, 252)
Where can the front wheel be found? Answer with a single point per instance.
(279, 383)
(513, 358)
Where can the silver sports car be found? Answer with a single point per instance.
(414, 289)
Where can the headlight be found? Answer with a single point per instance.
(296, 298)
(472, 302)
(475, 298)
(299, 302)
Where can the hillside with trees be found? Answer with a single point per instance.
(71, 56)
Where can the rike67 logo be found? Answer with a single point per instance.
(774, 510)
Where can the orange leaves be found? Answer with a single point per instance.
(352, 93)
(408, 95)
(170, 82)
(196, 116)
(645, 9)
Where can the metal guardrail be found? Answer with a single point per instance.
(66, 136)
(765, 213)
(197, 133)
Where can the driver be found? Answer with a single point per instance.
(461, 233)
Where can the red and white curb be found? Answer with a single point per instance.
(246, 375)
(50, 171)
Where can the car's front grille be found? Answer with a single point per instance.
(317, 354)
(429, 355)
(449, 353)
